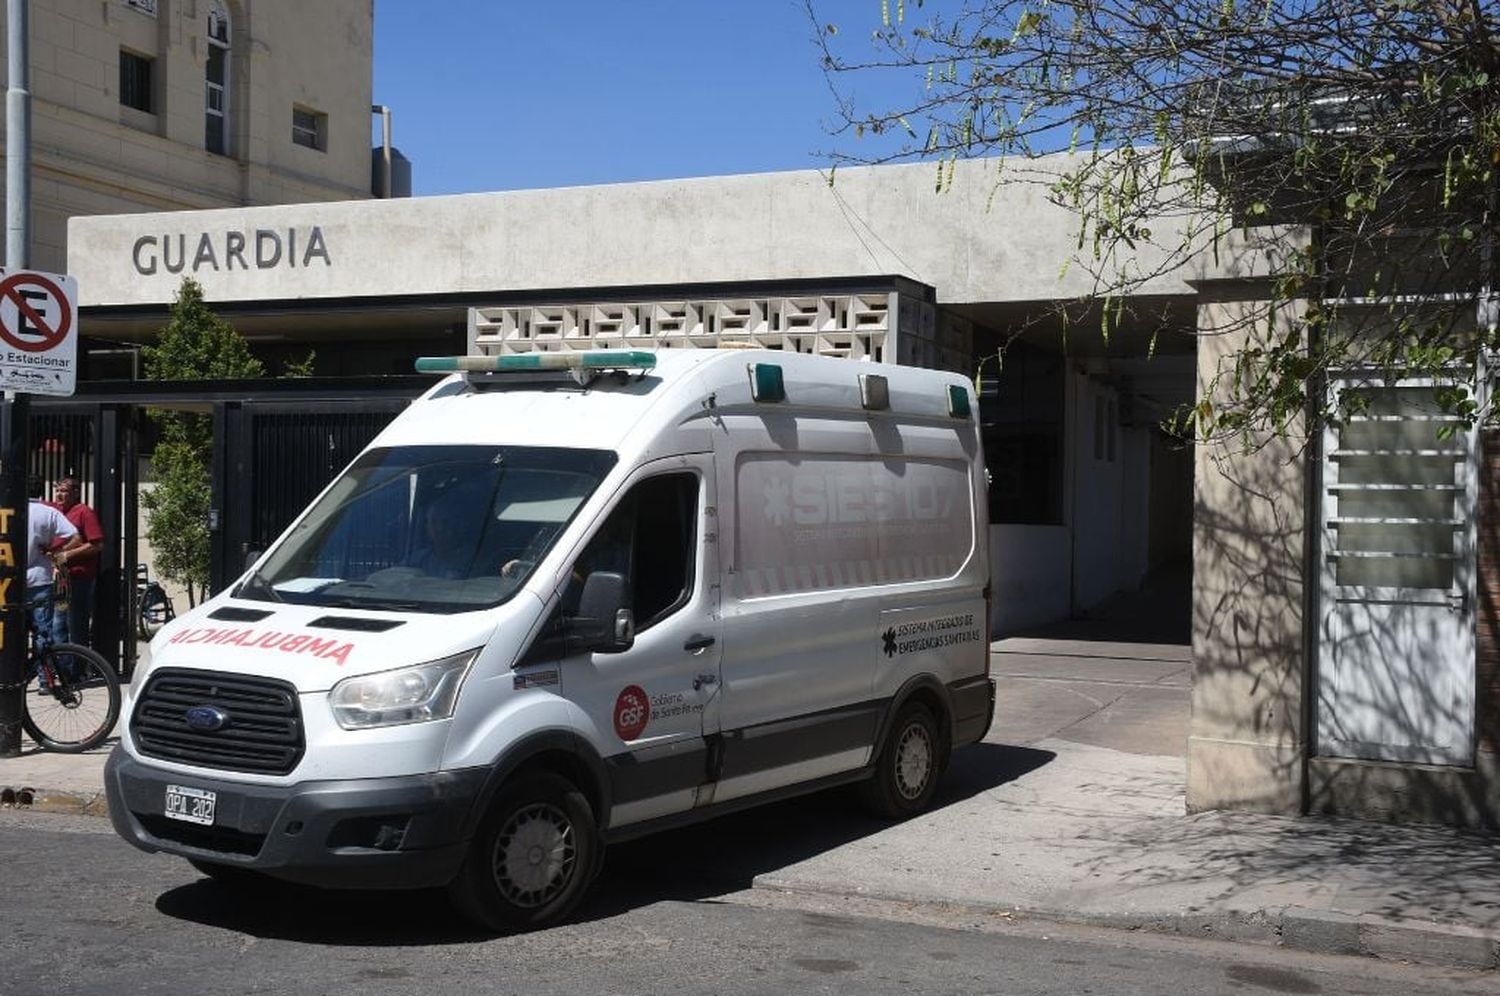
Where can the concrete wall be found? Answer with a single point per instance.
(983, 240)
(1246, 736)
(1029, 571)
(91, 155)
(1135, 507)
(1095, 489)
(1170, 515)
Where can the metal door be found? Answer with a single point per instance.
(271, 460)
(654, 706)
(1396, 641)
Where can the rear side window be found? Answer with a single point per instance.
(812, 522)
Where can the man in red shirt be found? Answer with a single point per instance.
(80, 561)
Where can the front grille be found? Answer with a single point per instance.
(263, 734)
(221, 839)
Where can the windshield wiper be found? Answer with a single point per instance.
(376, 604)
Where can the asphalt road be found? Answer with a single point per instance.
(84, 913)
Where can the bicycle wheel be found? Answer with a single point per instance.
(156, 611)
(73, 700)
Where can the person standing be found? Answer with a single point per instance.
(81, 561)
(47, 528)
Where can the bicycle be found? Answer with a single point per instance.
(153, 605)
(72, 699)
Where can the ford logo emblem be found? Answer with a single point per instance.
(206, 718)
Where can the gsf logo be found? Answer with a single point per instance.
(818, 499)
(632, 712)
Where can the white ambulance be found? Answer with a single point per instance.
(566, 599)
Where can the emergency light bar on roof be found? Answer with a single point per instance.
(593, 359)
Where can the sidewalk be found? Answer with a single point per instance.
(55, 783)
(1072, 810)
(1081, 819)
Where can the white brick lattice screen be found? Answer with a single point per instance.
(881, 327)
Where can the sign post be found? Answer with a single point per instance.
(13, 465)
(38, 355)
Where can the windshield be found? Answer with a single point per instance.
(430, 528)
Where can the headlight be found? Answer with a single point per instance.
(406, 695)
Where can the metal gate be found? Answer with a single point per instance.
(279, 456)
(276, 445)
(95, 443)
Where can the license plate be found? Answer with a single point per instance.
(191, 805)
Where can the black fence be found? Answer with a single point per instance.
(282, 456)
(276, 445)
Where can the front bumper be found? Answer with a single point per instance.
(370, 833)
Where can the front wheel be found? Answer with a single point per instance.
(906, 772)
(533, 857)
(72, 700)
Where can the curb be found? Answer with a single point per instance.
(1294, 927)
(53, 801)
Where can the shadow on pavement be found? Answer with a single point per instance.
(726, 854)
(1393, 871)
(694, 863)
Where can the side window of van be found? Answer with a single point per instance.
(650, 538)
(666, 531)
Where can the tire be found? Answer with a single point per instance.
(533, 857)
(906, 772)
(156, 611)
(80, 705)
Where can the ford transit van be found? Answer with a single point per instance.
(566, 599)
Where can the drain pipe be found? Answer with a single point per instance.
(385, 147)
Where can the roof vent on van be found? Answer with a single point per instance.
(874, 392)
(958, 401)
(766, 383)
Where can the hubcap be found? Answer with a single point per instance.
(535, 854)
(913, 761)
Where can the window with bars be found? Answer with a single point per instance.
(136, 71)
(310, 128)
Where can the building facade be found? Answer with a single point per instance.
(170, 105)
(875, 267)
(1344, 580)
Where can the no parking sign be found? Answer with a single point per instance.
(38, 332)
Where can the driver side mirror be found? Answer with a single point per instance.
(602, 624)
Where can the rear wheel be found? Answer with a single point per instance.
(72, 701)
(907, 770)
(533, 857)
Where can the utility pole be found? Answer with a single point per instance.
(14, 531)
